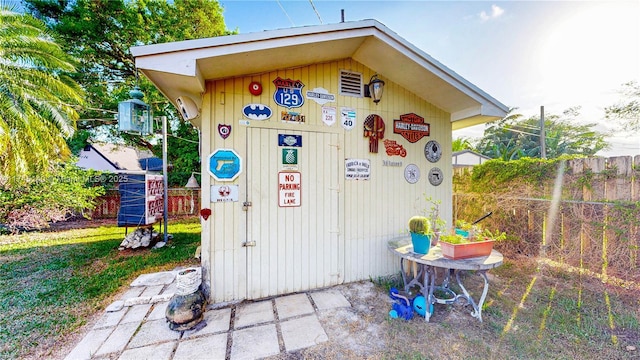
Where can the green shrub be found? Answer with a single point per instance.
(35, 202)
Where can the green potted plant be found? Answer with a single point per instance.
(458, 246)
(438, 225)
(466, 229)
(421, 231)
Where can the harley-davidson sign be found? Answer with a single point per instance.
(411, 126)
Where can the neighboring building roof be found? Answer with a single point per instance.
(112, 157)
(468, 158)
(181, 68)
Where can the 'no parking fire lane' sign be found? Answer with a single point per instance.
(289, 188)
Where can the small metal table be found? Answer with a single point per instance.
(425, 274)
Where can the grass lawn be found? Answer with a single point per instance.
(533, 311)
(51, 282)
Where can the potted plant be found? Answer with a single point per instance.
(466, 229)
(438, 225)
(457, 246)
(421, 231)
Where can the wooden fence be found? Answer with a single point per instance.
(590, 220)
(181, 202)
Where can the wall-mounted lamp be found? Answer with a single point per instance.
(374, 89)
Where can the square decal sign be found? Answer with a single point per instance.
(289, 156)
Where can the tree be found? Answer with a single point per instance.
(627, 111)
(460, 144)
(513, 137)
(100, 33)
(37, 98)
(184, 154)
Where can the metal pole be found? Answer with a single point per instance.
(543, 137)
(165, 212)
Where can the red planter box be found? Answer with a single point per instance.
(465, 251)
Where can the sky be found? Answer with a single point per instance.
(526, 54)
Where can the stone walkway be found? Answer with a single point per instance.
(135, 327)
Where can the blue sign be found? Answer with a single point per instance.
(225, 165)
(288, 93)
(257, 111)
(289, 140)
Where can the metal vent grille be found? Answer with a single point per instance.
(350, 83)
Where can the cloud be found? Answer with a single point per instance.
(496, 12)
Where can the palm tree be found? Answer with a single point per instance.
(37, 98)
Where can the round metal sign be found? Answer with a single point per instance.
(435, 176)
(412, 173)
(433, 151)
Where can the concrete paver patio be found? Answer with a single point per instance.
(135, 326)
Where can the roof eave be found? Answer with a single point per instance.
(181, 68)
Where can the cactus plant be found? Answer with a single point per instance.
(420, 225)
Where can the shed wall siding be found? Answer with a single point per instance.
(370, 212)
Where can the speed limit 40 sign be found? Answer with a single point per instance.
(348, 117)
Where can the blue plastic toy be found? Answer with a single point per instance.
(401, 306)
(420, 306)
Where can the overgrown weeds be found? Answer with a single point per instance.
(532, 311)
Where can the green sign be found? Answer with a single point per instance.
(290, 156)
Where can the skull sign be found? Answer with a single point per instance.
(374, 129)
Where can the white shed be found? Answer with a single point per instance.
(308, 179)
(467, 158)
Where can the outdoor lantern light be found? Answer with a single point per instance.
(374, 89)
(134, 115)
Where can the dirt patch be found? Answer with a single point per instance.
(365, 330)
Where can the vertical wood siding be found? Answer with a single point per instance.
(303, 248)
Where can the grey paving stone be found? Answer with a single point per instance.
(152, 352)
(254, 313)
(118, 339)
(137, 300)
(302, 332)
(132, 293)
(215, 320)
(158, 312)
(152, 290)
(329, 299)
(115, 306)
(255, 343)
(161, 298)
(89, 344)
(152, 332)
(159, 278)
(136, 313)
(293, 305)
(110, 319)
(208, 347)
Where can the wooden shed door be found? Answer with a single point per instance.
(292, 248)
